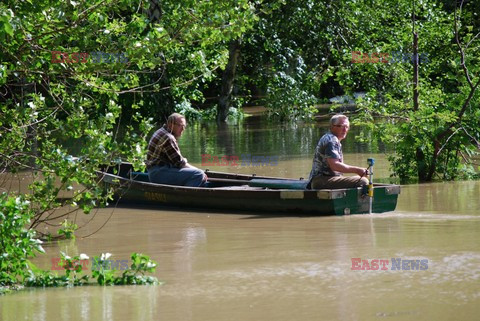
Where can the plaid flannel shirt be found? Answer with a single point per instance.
(163, 150)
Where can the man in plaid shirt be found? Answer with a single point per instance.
(165, 163)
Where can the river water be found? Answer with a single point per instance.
(243, 266)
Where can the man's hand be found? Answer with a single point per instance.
(338, 166)
(205, 177)
(361, 171)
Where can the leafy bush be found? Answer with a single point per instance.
(102, 272)
(288, 98)
(17, 243)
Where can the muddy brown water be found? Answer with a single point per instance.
(244, 266)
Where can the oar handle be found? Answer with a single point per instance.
(370, 162)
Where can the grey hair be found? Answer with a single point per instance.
(336, 118)
(173, 118)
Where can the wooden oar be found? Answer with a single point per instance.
(267, 183)
(228, 180)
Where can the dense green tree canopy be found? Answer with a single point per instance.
(306, 51)
(71, 70)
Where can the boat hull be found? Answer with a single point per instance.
(252, 199)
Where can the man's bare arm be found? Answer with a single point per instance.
(338, 166)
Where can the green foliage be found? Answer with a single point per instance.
(141, 264)
(281, 62)
(135, 274)
(61, 121)
(438, 140)
(68, 229)
(17, 243)
(73, 268)
(299, 52)
(4, 290)
(102, 272)
(287, 100)
(45, 279)
(185, 108)
(412, 135)
(235, 115)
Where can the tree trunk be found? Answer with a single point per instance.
(154, 12)
(227, 81)
(422, 168)
(415, 60)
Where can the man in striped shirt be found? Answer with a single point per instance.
(165, 163)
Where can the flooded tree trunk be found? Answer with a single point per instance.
(422, 168)
(415, 61)
(227, 81)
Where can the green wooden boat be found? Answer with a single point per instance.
(250, 193)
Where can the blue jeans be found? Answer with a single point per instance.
(170, 175)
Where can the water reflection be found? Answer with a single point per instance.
(293, 143)
(258, 136)
(457, 197)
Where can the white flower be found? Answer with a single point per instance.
(84, 256)
(106, 31)
(105, 256)
(18, 201)
(151, 265)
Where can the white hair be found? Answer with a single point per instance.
(336, 119)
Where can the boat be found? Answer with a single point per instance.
(250, 193)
